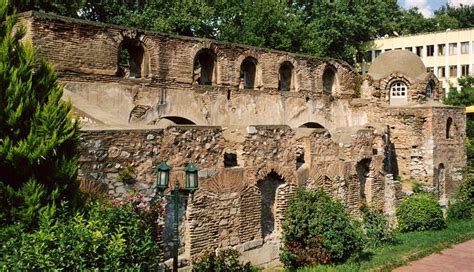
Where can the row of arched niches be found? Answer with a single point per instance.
(134, 62)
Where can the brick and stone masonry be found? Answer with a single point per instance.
(258, 124)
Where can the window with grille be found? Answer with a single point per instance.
(453, 49)
(398, 89)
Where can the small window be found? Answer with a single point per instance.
(409, 49)
(430, 69)
(388, 49)
(398, 89)
(465, 48)
(419, 51)
(248, 71)
(441, 71)
(230, 159)
(453, 71)
(449, 124)
(329, 81)
(398, 49)
(429, 50)
(441, 49)
(453, 49)
(464, 70)
(285, 82)
(299, 159)
(369, 56)
(430, 88)
(204, 67)
(378, 52)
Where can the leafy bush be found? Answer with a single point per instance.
(318, 230)
(376, 227)
(126, 175)
(463, 201)
(226, 260)
(101, 236)
(420, 212)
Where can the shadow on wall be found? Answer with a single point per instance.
(268, 190)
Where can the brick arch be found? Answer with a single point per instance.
(287, 174)
(394, 77)
(430, 77)
(258, 73)
(148, 45)
(212, 47)
(295, 71)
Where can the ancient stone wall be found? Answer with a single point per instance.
(241, 205)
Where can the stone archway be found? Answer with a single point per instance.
(268, 187)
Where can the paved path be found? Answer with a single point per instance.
(459, 258)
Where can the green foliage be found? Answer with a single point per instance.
(101, 236)
(38, 140)
(318, 230)
(126, 175)
(226, 260)
(420, 212)
(68, 8)
(357, 85)
(376, 227)
(463, 201)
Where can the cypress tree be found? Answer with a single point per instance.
(38, 139)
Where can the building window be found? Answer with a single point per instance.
(398, 89)
(441, 49)
(441, 72)
(248, 71)
(398, 49)
(465, 48)
(449, 123)
(286, 76)
(409, 48)
(378, 52)
(464, 70)
(453, 49)
(388, 49)
(419, 51)
(453, 71)
(430, 50)
(329, 81)
(430, 89)
(430, 69)
(205, 67)
(230, 160)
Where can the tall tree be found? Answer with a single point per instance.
(61, 7)
(38, 139)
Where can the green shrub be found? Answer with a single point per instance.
(226, 260)
(101, 236)
(126, 175)
(376, 227)
(420, 212)
(318, 230)
(462, 206)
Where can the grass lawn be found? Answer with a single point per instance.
(410, 246)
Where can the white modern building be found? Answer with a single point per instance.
(448, 54)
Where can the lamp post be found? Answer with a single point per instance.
(162, 182)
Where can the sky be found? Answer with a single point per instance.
(427, 7)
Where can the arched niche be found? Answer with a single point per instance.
(286, 76)
(133, 59)
(205, 67)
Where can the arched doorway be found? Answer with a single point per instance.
(363, 169)
(268, 188)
